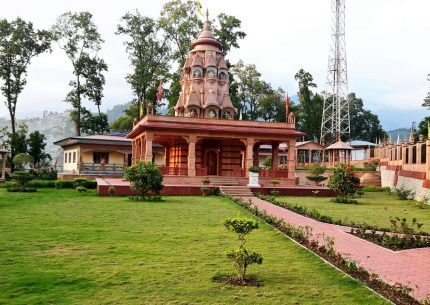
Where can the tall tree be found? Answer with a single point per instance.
(251, 89)
(228, 32)
(364, 124)
(148, 48)
(19, 44)
(272, 106)
(36, 148)
(423, 128)
(310, 106)
(78, 36)
(427, 98)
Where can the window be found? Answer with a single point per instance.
(70, 157)
(65, 157)
(100, 157)
(74, 157)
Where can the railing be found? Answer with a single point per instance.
(174, 171)
(106, 169)
(273, 173)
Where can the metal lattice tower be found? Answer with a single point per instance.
(335, 123)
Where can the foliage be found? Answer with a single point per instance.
(91, 124)
(346, 200)
(36, 148)
(81, 189)
(254, 169)
(19, 44)
(71, 184)
(271, 106)
(242, 257)
(274, 182)
(373, 188)
(78, 37)
(145, 178)
(344, 182)
(79, 182)
(111, 190)
(148, 48)
(21, 178)
(21, 160)
(205, 182)
(251, 89)
(404, 193)
(423, 125)
(15, 142)
(267, 163)
(317, 172)
(310, 106)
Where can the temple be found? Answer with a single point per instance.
(203, 139)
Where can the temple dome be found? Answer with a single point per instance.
(206, 37)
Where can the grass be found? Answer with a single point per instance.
(373, 209)
(61, 247)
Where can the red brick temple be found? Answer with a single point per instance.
(203, 139)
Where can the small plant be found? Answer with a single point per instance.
(242, 258)
(317, 172)
(145, 178)
(274, 193)
(205, 191)
(267, 163)
(21, 180)
(111, 190)
(344, 182)
(373, 188)
(205, 182)
(360, 193)
(81, 188)
(404, 193)
(275, 182)
(254, 169)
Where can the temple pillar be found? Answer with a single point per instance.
(148, 147)
(411, 154)
(310, 156)
(249, 155)
(275, 155)
(256, 156)
(404, 161)
(192, 156)
(418, 157)
(291, 162)
(167, 156)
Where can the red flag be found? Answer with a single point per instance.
(287, 105)
(160, 91)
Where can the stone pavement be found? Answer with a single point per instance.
(408, 267)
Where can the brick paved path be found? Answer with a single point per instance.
(408, 267)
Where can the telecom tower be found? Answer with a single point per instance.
(335, 123)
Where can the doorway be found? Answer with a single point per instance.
(211, 163)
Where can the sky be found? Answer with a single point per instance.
(387, 42)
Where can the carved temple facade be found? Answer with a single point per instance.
(203, 139)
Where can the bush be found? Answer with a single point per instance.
(242, 258)
(344, 182)
(145, 178)
(254, 169)
(21, 178)
(111, 190)
(46, 174)
(79, 181)
(42, 183)
(317, 172)
(22, 160)
(22, 190)
(404, 193)
(81, 188)
(373, 188)
(70, 184)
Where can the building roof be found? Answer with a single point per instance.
(357, 143)
(340, 145)
(206, 37)
(302, 145)
(106, 139)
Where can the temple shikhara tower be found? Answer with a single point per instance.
(204, 140)
(205, 81)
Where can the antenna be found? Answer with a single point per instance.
(335, 123)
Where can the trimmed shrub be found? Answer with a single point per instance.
(145, 178)
(344, 182)
(81, 188)
(254, 169)
(404, 193)
(111, 190)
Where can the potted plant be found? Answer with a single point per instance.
(317, 172)
(253, 176)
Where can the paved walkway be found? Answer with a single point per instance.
(408, 267)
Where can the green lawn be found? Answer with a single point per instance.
(61, 247)
(373, 208)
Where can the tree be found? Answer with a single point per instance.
(125, 122)
(36, 148)
(310, 106)
(344, 182)
(227, 32)
(78, 36)
(19, 44)
(145, 178)
(427, 98)
(242, 257)
(423, 127)
(364, 124)
(21, 160)
(149, 52)
(92, 124)
(17, 140)
(251, 89)
(272, 106)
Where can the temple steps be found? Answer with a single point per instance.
(220, 181)
(236, 191)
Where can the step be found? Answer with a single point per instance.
(223, 181)
(236, 191)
